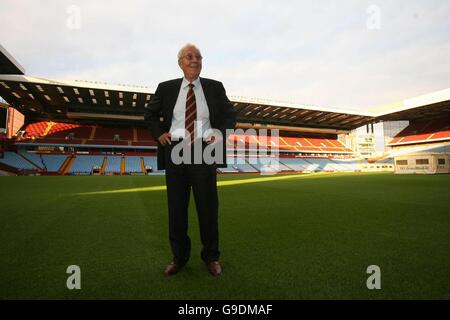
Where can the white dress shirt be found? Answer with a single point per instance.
(203, 127)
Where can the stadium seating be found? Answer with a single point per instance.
(36, 129)
(229, 169)
(17, 161)
(240, 164)
(283, 143)
(35, 158)
(321, 164)
(151, 163)
(113, 164)
(53, 162)
(68, 134)
(297, 164)
(133, 164)
(63, 130)
(424, 131)
(85, 164)
(263, 164)
(346, 164)
(59, 133)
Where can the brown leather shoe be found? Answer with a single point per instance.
(171, 269)
(214, 268)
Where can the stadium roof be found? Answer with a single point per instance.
(87, 100)
(431, 105)
(8, 65)
(91, 101)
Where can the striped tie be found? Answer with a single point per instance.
(191, 113)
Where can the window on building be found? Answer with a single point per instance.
(401, 162)
(422, 161)
(441, 161)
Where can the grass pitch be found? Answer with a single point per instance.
(305, 237)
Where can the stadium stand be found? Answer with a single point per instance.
(240, 164)
(113, 164)
(53, 162)
(47, 132)
(350, 164)
(297, 164)
(74, 127)
(423, 131)
(34, 158)
(133, 164)
(15, 160)
(285, 143)
(151, 163)
(85, 164)
(314, 148)
(229, 169)
(267, 164)
(36, 129)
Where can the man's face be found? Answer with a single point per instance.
(191, 63)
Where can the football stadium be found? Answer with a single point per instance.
(309, 210)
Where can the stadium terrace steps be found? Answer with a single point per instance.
(17, 161)
(84, 164)
(301, 143)
(297, 164)
(53, 163)
(6, 169)
(33, 158)
(151, 163)
(36, 129)
(240, 164)
(133, 164)
(113, 164)
(142, 165)
(68, 133)
(424, 131)
(136, 164)
(47, 132)
(103, 167)
(110, 133)
(64, 130)
(122, 165)
(66, 165)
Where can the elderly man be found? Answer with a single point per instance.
(188, 110)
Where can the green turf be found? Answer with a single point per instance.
(311, 237)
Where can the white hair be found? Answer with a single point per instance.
(186, 46)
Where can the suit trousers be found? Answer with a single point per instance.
(202, 179)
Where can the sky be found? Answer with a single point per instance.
(341, 54)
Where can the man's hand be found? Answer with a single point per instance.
(165, 139)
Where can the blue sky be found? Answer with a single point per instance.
(339, 54)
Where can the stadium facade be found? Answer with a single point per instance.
(82, 127)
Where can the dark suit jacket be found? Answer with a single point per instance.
(159, 114)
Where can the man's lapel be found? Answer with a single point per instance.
(208, 94)
(174, 91)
